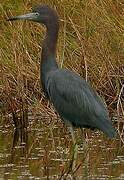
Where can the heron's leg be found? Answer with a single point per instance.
(75, 147)
(71, 129)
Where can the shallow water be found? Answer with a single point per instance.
(44, 151)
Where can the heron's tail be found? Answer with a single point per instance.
(108, 129)
(110, 132)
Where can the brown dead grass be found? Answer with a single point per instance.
(91, 43)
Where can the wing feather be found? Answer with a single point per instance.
(74, 99)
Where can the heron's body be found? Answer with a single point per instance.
(74, 99)
(77, 102)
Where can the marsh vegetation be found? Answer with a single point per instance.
(91, 43)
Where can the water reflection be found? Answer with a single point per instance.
(44, 151)
(20, 143)
(19, 150)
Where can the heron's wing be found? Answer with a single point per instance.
(74, 98)
(77, 102)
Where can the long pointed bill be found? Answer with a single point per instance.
(29, 16)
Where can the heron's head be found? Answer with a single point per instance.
(41, 13)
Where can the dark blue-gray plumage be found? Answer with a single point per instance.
(74, 99)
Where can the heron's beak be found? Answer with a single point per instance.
(29, 16)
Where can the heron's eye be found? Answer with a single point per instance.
(37, 14)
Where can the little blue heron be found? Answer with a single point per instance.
(73, 98)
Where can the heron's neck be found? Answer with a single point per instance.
(48, 57)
